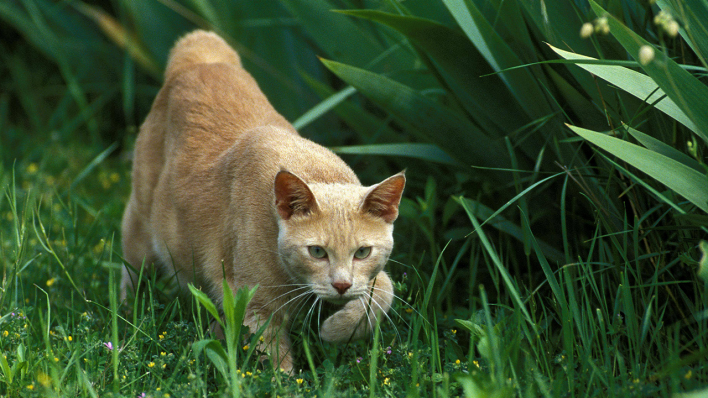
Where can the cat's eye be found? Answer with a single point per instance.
(317, 251)
(362, 253)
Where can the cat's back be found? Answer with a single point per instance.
(211, 99)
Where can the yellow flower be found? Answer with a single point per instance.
(387, 381)
(32, 168)
(56, 359)
(249, 374)
(44, 379)
(162, 336)
(30, 387)
(245, 348)
(164, 365)
(5, 333)
(457, 362)
(475, 363)
(151, 364)
(688, 374)
(299, 381)
(163, 353)
(70, 338)
(50, 282)
(261, 339)
(409, 310)
(454, 331)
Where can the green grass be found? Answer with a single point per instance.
(563, 336)
(528, 262)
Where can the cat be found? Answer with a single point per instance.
(224, 187)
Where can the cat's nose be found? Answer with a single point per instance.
(341, 287)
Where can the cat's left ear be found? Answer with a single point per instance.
(293, 196)
(383, 199)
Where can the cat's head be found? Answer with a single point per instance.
(335, 237)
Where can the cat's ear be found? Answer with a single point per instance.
(293, 196)
(383, 199)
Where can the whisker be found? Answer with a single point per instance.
(385, 314)
(393, 309)
(284, 294)
(406, 304)
(308, 317)
(319, 318)
(292, 299)
(366, 312)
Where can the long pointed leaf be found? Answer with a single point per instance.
(666, 150)
(496, 51)
(427, 152)
(635, 83)
(431, 120)
(686, 181)
(460, 64)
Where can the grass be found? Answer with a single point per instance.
(64, 332)
(566, 273)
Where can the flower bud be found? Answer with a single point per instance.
(586, 30)
(646, 54)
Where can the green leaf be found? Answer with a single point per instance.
(337, 35)
(499, 222)
(205, 301)
(506, 276)
(685, 90)
(460, 65)
(694, 27)
(428, 152)
(432, 122)
(635, 83)
(703, 263)
(7, 372)
(666, 150)
(686, 181)
(323, 107)
(521, 83)
(216, 354)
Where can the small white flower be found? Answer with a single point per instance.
(602, 26)
(672, 28)
(646, 54)
(586, 30)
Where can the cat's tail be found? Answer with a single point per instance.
(199, 47)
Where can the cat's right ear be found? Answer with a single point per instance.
(293, 196)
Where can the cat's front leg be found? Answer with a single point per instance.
(357, 318)
(274, 340)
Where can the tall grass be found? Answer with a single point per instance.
(549, 242)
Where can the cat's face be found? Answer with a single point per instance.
(338, 237)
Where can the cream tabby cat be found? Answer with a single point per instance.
(224, 186)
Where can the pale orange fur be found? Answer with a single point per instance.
(223, 185)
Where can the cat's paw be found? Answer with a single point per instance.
(358, 317)
(348, 324)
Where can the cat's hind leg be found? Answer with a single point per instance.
(357, 318)
(137, 250)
